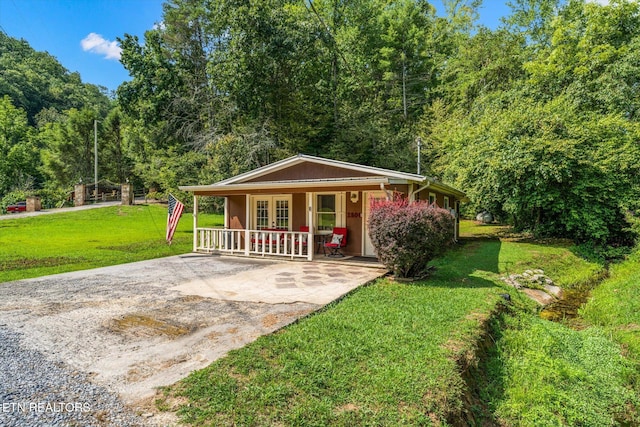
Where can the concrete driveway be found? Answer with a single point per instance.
(137, 326)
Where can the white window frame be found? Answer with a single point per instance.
(447, 205)
(432, 198)
(341, 216)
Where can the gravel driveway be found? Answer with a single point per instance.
(90, 347)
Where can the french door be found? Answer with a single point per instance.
(271, 212)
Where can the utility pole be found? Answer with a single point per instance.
(419, 142)
(95, 163)
(404, 85)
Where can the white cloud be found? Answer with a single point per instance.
(600, 2)
(95, 43)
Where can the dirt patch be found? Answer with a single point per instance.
(24, 263)
(140, 325)
(160, 409)
(273, 319)
(143, 371)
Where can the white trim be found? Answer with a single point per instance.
(435, 198)
(311, 223)
(247, 223)
(341, 214)
(195, 222)
(446, 203)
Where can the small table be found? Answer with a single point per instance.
(320, 240)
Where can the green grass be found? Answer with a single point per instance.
(385, 355)
(546, 374)
(615, 305)
(557, 257)
(56, 243)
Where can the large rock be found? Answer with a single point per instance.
(485, 217)
(536, 285)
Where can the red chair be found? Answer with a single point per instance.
(337, 242)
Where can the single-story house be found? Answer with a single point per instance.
(290, 207)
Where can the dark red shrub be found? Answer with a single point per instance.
(409, 235)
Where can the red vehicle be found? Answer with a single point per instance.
(18, 207)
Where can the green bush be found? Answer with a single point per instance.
(407, 236)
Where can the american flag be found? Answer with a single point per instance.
(175, 212)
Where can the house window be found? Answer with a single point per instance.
(446, 203)
(329, 211)
(432, 198)
(326, 209)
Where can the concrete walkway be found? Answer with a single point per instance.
(137, 326)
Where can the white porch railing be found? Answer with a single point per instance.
(291, 244)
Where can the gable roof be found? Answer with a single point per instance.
(354, 174)
(302, 158)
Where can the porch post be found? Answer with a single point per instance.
(247, 226)
(195, 222)
(311, 247)
(456, 221)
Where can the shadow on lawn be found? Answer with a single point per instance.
(469, 265)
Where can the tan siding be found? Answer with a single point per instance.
(298, 211)
(237, 211)
(309, 171)
(354, 225)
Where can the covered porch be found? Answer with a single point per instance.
(294, 225)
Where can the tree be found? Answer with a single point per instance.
(69, 154)
(19, 159)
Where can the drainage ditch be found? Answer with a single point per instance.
(475, 410)
(567, 307)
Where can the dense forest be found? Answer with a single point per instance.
(537, 120)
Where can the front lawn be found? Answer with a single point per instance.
(61, 242)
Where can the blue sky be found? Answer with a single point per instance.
(81, 34)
